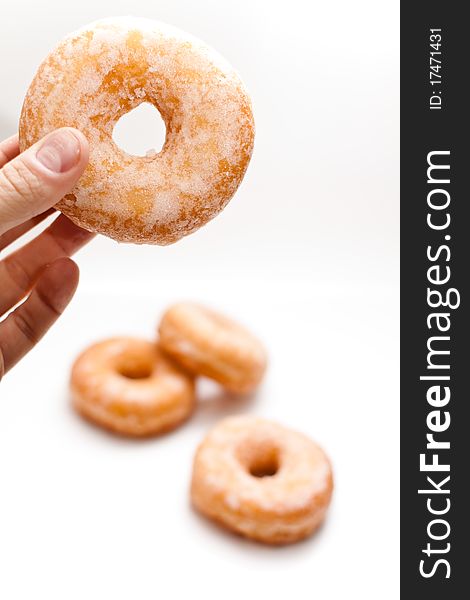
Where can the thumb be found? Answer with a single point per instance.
(39, 177)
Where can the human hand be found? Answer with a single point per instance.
(30, 184)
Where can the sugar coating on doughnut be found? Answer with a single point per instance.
(261, 480)
(208, 343)
(128, 386)
(106, 69)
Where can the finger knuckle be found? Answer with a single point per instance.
(17, 274)
(17, 180)
(25, 325)
(48, 304)
(3, 157)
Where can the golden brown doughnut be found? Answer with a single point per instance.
(104, 70)
(207, 343)
(127, 385)
(261, 480)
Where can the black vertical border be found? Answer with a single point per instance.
(424, 130)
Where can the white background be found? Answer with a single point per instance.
(306, 254)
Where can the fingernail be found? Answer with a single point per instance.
(60, 152)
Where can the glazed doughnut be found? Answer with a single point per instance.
(127, 385)
(106, 69)
(207, 343)
(261, 480)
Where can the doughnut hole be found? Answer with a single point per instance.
(260, 458)
(135, 367)
(141, 131)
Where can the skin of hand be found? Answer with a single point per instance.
(41, 271)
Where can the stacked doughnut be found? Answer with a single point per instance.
(255, 477)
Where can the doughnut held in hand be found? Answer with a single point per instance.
(261, 480)
(128, 386)
(208, 343)
(106, 69)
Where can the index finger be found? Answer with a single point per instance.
(9, 148)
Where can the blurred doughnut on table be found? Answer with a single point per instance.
(128, 386)
(208, 343)
(261, 480)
